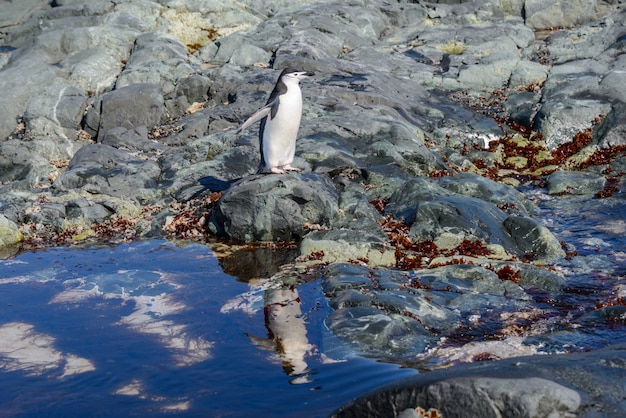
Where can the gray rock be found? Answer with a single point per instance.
(57, 111)
(554, 14)
(16, 13)
(236, 49)
(418, 306)
(189, 90)
(402, 203)
(533, 239)
(16, 92)
(26, 165)
(580, 384)
(274, 207)
(9, 232)
(611, 132)
(468, 217)
(101, 169)
(502, 195)
(128, 107)
(574, 182)
(86, 210)
(348, 245)
(527, 73)
(522, 108)
(559, 121)
(159, 59)
(51, 214)
(356, 212)
(134, 140)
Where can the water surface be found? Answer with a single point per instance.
(149, 329)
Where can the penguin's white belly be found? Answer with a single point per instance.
(279, 136)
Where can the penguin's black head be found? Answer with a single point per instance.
(295, 73)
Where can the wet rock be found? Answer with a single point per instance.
(575, 182)
(581, 384)
(501, 195)
(274, 207)
(533, 239)
(560, 121)
(434, 211)
(347, 245)
(612, 129)
(402, 203)
(418, 306)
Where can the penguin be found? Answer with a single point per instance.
(280, 121)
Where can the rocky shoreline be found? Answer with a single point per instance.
(423, 130)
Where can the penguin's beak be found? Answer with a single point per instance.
(303, 74)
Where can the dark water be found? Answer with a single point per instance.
(142, 330)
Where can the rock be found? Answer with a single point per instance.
(501, 195)
(437, 302)
(101, 169)
(554, 14)
(17, 93)
(16, 13)
(84, 209)
(347, 245)
(575, 182)
(9, 232)
(128, 107)
(56, 112)
(528, 73)
(611, 132)
(356, 212)
(533, 239)
(560, 121)
(25, 164)
(274, 207)
(580, 384)
(522, 108)
(133, 140)
(402, 203)
(158, 59)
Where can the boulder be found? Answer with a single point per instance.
(102, 169)
(555, 14)
(575, 182)
(274, 207)
(578, 384)
(9, 232)
(128, 107)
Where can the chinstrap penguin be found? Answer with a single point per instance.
(280, 121)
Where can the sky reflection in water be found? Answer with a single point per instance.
(150, 328)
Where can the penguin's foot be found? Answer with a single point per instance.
(276, 170)
(290, 168)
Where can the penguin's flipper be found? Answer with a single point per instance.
(260, 114)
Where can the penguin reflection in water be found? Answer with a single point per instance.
(280, 121)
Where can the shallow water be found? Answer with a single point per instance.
(150, 328)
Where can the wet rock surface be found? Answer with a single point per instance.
(536, 386)
(433, 136)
